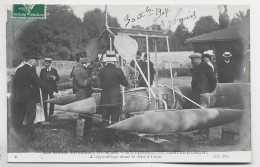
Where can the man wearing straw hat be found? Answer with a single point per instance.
(27, 93)
(226, 69)
(111, 78)
(50, 76)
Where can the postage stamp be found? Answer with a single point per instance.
(29, 11)
(128, 83)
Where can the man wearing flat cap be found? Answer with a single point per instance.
(226, 69)
(203, 81)
(82, 81)
(50, 76)
(27, 93)
(203, 77)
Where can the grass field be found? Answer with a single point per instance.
(58, 134)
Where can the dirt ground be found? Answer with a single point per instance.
(57, 134)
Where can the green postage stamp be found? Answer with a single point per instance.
(29, 11)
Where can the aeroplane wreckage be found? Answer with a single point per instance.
(151, 117)
(161, 109)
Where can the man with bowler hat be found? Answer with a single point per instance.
(27, 93)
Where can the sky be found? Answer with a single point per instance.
(170, 14)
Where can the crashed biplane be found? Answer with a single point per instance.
(161, 109)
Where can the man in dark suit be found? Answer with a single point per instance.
(141, 63)
(111, 78)
(152, 70)
(226, 69)
(203, 81)
(50, 76)
(27, 93)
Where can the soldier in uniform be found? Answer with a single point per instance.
(226, 69)
(27, 93)
(82, 80)
(50, 76)
(203, 82)
(111, 78)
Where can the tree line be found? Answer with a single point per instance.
(62, 33)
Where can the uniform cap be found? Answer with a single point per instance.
(81, 54)
(48, 60)
(195, 55)
(227, 54)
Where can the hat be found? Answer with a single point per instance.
(139, 52)
(195, 55)
(227, 54)
(209, 52)
(48, 60)
(81, 54)
(30, 55)
(109, 59)
(110, 53)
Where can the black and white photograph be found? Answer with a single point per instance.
(128, 83)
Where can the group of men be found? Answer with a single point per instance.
(204, 78)
(86, 75)
(109, 78)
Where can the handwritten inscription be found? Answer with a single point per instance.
(159, 13)
(178, 19)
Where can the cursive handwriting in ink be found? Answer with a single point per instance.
(181, 19)
(148, 12)
(159, 12)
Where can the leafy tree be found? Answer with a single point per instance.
(241, 17)
(205, 25)
(56, 36)
(181, 34)
(94, 22)
(223, 17)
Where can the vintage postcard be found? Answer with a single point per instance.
(166, 83)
